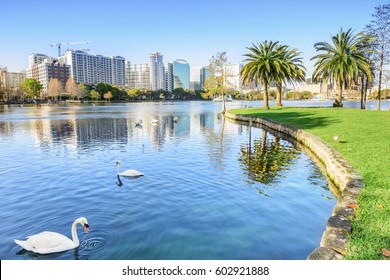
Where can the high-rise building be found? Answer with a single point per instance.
(204, 74)
(232, 77)
(168, 77)
(138, 76)
(181, 74)
(118, 70)
(48, 69)
(156, 71)
(195, 73)
(94, 69)
(10, 81)
(36, 58)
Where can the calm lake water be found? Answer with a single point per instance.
(207, 192)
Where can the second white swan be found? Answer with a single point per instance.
(129, 172)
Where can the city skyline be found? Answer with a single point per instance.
(194, 31)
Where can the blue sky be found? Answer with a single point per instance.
(191, 30)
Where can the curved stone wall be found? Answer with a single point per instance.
(334, 242)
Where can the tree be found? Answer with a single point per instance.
(73, 89)
(55, 88)
(31, 87)
(133, 93)
(341, 62)
(107, 96)
(95, 94)
(293, 70)
(379, 27)
(264, 64)
(218, 75)
(84, 90)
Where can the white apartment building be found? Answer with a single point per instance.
(156, 71)
(46, 70)
(232, 77)
(10, 81)
(94, 69)
(195, 78)
(137, 76)
(309, 85)
(168, 77)
(36, 58)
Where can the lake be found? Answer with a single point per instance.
(207, 192)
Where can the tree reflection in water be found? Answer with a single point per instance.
(265, 159)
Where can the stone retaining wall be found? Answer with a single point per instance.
(334, 242)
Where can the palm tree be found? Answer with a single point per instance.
(293, 70)
(342, 61)
(263, 65)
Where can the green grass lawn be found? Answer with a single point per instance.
(364, 141)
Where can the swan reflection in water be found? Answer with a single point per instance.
(52, 256)
(119, 183)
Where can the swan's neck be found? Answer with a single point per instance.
(75, 238)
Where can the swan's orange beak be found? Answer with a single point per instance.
(86, 227)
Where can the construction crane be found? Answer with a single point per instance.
(67, 43)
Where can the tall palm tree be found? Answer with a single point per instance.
(293, 70)
(264, 63)
(341, 62)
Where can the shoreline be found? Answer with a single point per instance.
(335, 239)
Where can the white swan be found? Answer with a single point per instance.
(129, 172)
(138, 123)
(52, 242)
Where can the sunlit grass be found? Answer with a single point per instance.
(364, 141)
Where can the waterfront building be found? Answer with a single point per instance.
(232, 77)
(10, 81)
(48, 69)
(195, 74)
(94, 69)
(181, 74)
(137, 76)
(36, 58)
(168, 77)
(204, 74)
(310, 85)
(156, 71)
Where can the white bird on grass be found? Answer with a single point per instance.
(129, 172)
(52, 242)
(336, 137)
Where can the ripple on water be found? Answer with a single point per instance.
(96, 241)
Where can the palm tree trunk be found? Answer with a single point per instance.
(362, 93)
(365, 92)
(380, 71)
(279, 94)
(265, 89)
(223, 102)
(339, 97)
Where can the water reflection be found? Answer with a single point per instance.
(264, 161)
(193, 186)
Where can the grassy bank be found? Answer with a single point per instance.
(363, 140)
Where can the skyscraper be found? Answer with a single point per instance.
(168, 77)
(156, 71)
(232, 77)
(138, 75)
(47, 69)
(181, 74)
(195, 74)
(204, 74)
(94, 69)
